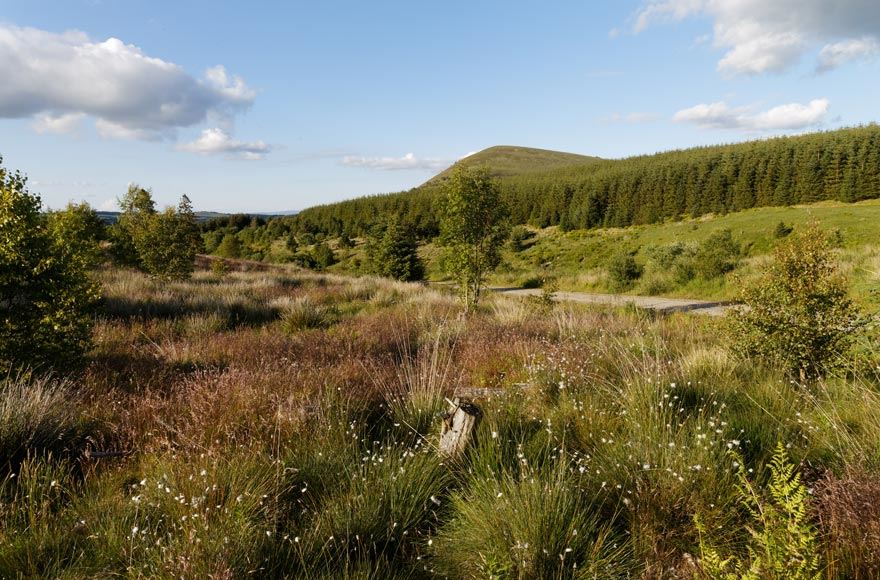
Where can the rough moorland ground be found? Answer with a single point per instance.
(282, 424)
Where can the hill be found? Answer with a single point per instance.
(506, 161)
(546, 188)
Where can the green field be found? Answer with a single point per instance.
(578, 260)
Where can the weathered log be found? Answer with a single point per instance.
(459, 427)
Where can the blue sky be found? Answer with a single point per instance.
(267, 106)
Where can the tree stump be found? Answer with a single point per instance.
(459, 427)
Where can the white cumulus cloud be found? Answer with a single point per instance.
(720, 115)
(408, 161)
(833, 55)
(218, 142)
(60, 78)
(760, 36)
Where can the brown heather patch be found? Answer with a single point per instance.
(848, 511)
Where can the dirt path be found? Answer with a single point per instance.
(648, 302)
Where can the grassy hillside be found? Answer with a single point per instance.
(506, 161)
(578, 260)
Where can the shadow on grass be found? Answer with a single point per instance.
(233, 314)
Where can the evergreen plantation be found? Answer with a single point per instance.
(586, 192)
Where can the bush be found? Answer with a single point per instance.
(80, 224)
(665, 257)
(162, 244)
(800, 316)
(781, 230)
(623, 269)
(324, 256)
(519, 238)
(229, 247)
(46, 293)
(716, 256)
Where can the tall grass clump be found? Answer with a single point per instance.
(540, 524)
(415, 394)
(382, 507)
(37, 416)
(305, 313)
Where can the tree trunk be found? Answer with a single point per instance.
(459, 427)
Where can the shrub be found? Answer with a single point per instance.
(716, 256)
(167, 247)
(532, 283)
(79, 224)
(800, 316)
(519, 238)
(229, 247)
(782, 230)
(46, 293)
(163, 244)
(665, 257)
(623, 269)
(324, 256)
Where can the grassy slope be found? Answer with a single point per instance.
(505, 160)
(577, 259)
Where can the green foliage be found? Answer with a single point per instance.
(782, 230)
(546, 188)
(46, 292)
(519, 238)
(345, 241)
(324, 256)
(783, 543)
(799, 316)
(393, 252)
(229, 247)
(165, 243)
(474, 225)
(219, 268)
(716, 256)
(168, 247)
(80, 224)
(623, 269)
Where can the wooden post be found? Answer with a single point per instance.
(459, 427)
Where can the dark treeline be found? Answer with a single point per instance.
(839, 165)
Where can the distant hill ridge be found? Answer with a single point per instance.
(545, 188)
(508, 160)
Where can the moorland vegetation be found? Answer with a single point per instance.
(252, 419)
